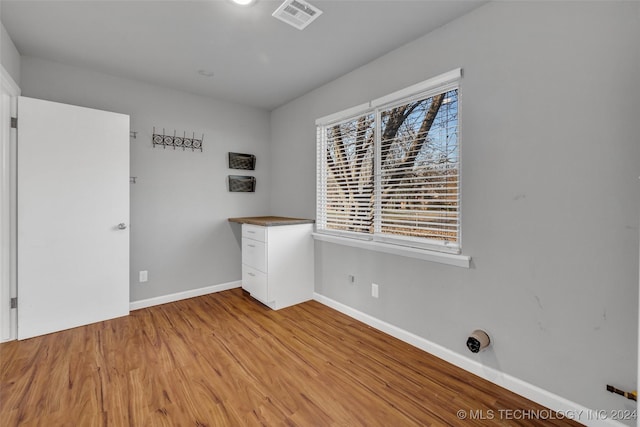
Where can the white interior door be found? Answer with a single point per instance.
(73, 192)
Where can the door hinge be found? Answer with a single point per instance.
(14, 122)
(14, 302)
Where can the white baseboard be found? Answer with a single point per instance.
(543, 397)
(150, 302)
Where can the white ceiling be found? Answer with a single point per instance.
(256, 59)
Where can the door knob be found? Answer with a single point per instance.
(122, 226)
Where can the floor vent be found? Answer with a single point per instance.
(297, 13)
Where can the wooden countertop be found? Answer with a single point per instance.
(270, 221)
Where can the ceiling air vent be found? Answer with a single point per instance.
(297, 13)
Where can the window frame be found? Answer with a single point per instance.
(414, 246)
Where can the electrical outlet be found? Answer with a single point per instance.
(143, 276)
(374, 290)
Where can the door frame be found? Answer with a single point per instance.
(9, 91)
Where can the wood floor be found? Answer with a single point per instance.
(226, 360)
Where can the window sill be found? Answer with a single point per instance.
(424, 254)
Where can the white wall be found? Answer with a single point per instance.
(550, 103)
(180, 203)
(9, 55)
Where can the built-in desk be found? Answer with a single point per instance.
(271, 221)
(277, 259)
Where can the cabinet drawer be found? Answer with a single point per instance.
(255, 282)
(254, 232)
(254, 254)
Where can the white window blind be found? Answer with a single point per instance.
(346, 156)
(391, 172)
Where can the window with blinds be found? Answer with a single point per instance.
(389, 170)
(347, 183)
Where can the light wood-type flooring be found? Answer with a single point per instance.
(226, 360)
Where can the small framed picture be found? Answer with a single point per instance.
(242, 184)
(242, 161)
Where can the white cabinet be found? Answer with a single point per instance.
(277, 263)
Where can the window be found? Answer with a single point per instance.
(388, 170)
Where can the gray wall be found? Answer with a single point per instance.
(550, 105)
(9, 55)
(180, 204)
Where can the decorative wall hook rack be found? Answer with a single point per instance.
(177, 141)
(133, 134)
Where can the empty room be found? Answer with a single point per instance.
(323, 212)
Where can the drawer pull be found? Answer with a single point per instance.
(251, 274)
(251, 232)
(252, 246)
